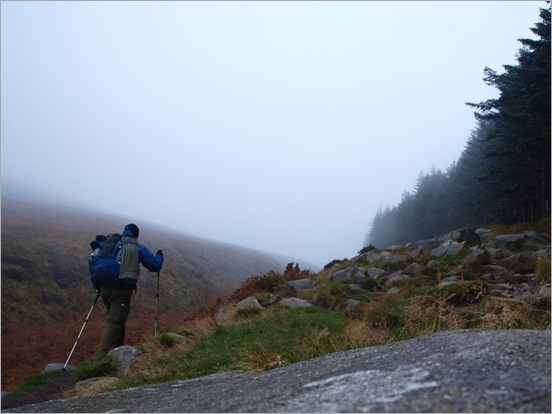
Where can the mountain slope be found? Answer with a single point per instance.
(46, 291)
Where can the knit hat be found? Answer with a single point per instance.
(133, 228)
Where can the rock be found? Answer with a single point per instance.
(375, 272)
(517, 260)
(295, 303)
(451, 371)
(368, 257)
(477, 257)
(448, 247)
(434, 266)
(125, 356)
(351, 304)
(93, 386)
(395, 278)
(393, 291)
(250, 302)
(178, 339)
(357, 289)
(496, 272)
(223, 313)
(53, 367)
(412, 269)
(466, 235)
(509, 241)
(300, 284)
(391, 258)
(544, 290)
(449, 280)
(349, 274)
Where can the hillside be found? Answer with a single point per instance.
(46, 292)
(471, 282)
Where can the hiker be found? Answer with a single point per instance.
(116, 287)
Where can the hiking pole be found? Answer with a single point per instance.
(156, 302)
(82, 329)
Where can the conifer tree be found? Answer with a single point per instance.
(519, 149)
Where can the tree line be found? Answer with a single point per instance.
(503, 174)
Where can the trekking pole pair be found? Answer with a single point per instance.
(80, 333)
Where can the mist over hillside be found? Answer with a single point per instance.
(45, 250)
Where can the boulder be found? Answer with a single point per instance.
(466, 235)
(250, 302)
(395, 278)
(413, 269)
(300, 284)
(348, 274)
(124, 356)
(375, 272)
(477, 256)
(448, 247)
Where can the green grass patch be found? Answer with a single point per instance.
(34, 382)
(275, 337)
(90, 369)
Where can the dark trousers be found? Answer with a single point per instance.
(117, 301)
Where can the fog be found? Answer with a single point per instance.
(279, 126)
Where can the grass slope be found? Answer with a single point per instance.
(46, 292)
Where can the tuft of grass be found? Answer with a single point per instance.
(102, 368)
(328, 294)
(166, 340)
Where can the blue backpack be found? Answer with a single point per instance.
(115, 261)
(105, 262)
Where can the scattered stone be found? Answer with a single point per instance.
(351, 304)
(300, 284)
(375, 272)
(477, 256)
(448, 247)
(295, 303)
(93, 386)
(450, 280)
(223, 313)
(125, 356)
(395, 278)
(413, 269)
(178, 339)
(250, 302)
(53, 367)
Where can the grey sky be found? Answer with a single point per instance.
(280, 126)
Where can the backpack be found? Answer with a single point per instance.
(115, 261)
(105, 263)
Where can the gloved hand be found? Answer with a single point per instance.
(159, 252)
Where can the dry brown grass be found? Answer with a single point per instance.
(92, 386)
(506, 314)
